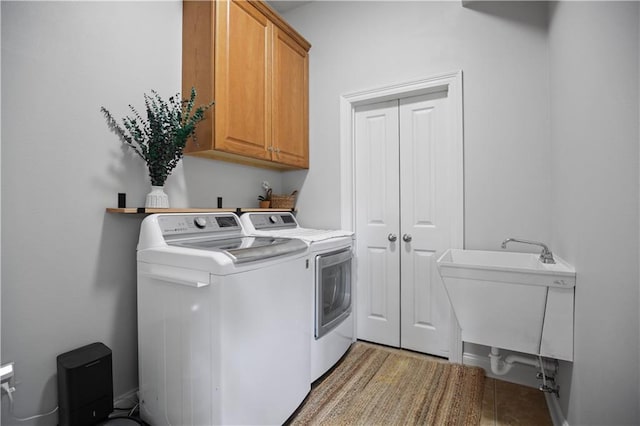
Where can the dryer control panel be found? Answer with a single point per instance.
(266, 221)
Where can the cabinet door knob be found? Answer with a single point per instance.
(392, 237)
(407, 238)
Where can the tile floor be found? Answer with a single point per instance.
(506, 403)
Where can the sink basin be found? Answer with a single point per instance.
(504, 266)
(511, 300)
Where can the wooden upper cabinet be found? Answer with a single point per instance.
(245, 57)
(290, 107)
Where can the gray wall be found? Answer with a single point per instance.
(573, 183)
(68, 268)
(594, 86)
(502, 51)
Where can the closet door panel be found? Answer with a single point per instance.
(424, 208)
(378, 291)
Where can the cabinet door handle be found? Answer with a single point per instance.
(407, 238)
(392, 237)
(270, 149)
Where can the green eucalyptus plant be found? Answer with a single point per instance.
(160, 138)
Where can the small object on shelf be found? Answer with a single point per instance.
(283, 201)
(160, 138)
(265, 200)
(219, 202)
(122, 200)
(157, 198)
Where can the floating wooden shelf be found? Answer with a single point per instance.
(144, 210)
(257, 209)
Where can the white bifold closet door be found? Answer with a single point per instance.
(404, 190)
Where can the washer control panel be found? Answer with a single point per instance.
(172, 225)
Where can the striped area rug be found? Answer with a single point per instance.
(377, 385)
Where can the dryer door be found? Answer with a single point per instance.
(333, 290)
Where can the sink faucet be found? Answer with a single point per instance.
(545, 257)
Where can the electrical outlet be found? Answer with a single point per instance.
(6, 372)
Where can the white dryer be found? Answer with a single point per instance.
(332, 258)
(223, 335)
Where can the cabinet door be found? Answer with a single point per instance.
(197, 66)
(242, 83)
(290, 117)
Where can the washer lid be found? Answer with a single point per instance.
(246, 249)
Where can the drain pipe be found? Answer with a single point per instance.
(500, 367)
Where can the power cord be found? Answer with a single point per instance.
(544, 376)
(6, 387)
(131, 415)
(133, 419)
(10, 390)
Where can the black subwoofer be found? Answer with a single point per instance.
(85, 385)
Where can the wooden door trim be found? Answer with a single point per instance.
(452, 83)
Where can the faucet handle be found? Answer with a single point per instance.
(545, 256)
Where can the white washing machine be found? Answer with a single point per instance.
(223, 322)
(332, 256)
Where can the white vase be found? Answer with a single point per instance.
(157, 198)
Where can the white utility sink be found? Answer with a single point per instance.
(505, 266)
(511, 300)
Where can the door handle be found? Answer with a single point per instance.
(392, 237)
(407, 238)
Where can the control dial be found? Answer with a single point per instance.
(273, 219)
(200, 222)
